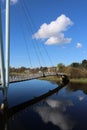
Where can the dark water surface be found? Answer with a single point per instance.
(63, 110)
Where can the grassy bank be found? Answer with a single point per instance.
(51, 78)
(80, 80)
(57, 79)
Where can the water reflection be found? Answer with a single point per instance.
(81, 98)
(4, 104)
(65, 110)
(6, 112)
(3, 109)
(77, 86)
(54, 112)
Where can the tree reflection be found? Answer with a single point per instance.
(77, 86)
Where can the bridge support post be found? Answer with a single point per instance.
(1, 53)
(7, 41)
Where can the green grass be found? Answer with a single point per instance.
(51, 78)
(57, 79)
(80, 80)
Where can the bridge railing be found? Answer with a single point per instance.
(32, 76)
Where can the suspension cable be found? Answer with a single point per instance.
(32, 22)
(29, 29)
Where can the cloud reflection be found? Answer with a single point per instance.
(81, 98)
(54, 112)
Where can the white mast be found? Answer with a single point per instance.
(7, 41)
(1, 53)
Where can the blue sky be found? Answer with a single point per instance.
(46, 32)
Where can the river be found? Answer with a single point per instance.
(65, 109)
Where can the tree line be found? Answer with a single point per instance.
(75, 69)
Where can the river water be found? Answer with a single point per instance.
(65, 109)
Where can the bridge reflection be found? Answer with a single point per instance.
(6, 112)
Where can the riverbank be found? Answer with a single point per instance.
(80, 80)
(58, 79)
(51, 78)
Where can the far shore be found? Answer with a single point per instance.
(57, 79)
(79, 80)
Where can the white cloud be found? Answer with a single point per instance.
(14, 1)
(54, 32)
(54, 112)
(59, 104)
(80, 98)
(57, 40)
(79, 45)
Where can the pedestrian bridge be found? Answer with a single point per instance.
(20, 78)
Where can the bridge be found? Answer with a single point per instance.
(7, 112)
(5, 70)
(34, 76)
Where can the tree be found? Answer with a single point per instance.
(61, 67)
(84, 64)
(75, 64)
(43, 68)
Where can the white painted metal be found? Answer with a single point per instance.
(1, 54)
(7, 41)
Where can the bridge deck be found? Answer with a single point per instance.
(32, 76)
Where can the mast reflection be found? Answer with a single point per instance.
(3, 110)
